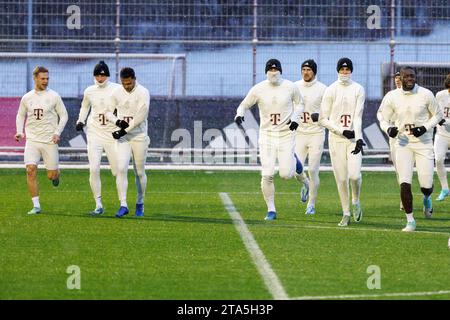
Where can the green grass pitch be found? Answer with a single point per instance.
(187, 247)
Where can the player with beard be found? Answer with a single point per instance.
(310, 137)
(280, 105)
(414, 112)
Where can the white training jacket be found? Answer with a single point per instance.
(409, 109)
(278, 105)
(132, 107)
(342, 108)
(98, 99)
(45, 113)
(312, 93)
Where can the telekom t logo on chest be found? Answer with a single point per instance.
(346, 119)
(38, 113)
(275, 118)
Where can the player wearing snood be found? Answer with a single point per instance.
(97, 99)
(341, 113)
(280, 105)
(414, 112)
(310, 137)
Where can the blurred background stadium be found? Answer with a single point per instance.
(199, 58)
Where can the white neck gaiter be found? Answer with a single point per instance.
(101, 85)
(274, 77)
(345, 78)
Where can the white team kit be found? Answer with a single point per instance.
(98, 99)
(45, 115)
(341, 109)
(442, 138)
(133, 107)
(310, 136)
(409, 109)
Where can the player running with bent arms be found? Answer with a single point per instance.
(280, 104)
(46, 118)
(341, 113)
(97, 99)
(414, 112)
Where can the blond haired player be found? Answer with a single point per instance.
(341, 113)
(98, 99)
(442, 138)
(414, 112)
(46, 117)
(310, 136)
(280, 104)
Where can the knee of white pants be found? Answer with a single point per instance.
(354, 176)
(284, 174)
(267, 179)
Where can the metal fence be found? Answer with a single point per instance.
(226, 43)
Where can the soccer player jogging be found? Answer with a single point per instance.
(442, 138)
(310, 136)
(132, 102)
(398, 85)
(46, 117)
(97, 100)
(280, 104)
(341, 113)
(414, 112)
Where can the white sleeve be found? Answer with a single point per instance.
(249, 101)
(384, 124)
(357, 122)
(63, 116)
(325, 112)
(436, 111)
(110, 110)
(84, 109)
(20, 118)
(142, 111)
(299, 105)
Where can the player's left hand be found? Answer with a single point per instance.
(358, 147)
(441, 122)
(119, 133)
(55, 139)
(293, 126)
(314, 117)
(418, 131)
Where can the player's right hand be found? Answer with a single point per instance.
(79, 126)
(392, 132)
(349, 134)
(18, 136)
(239, 120)
(119, 133)
(122, 124)
(441, 122)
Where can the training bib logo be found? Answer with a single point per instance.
(38, 113)
(275, 118)
(346, 120)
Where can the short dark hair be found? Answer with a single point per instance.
(39, 69)
(407, 68)
(127, 73)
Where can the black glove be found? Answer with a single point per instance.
(79, 126)
(293, 126)
(418, 131)
(314, 117)
(119, 133)
(239, 120)
(359, 146)
(392, 132)
(349, 134)
(122, 124)
(441, 122)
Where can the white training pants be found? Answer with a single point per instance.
(346, 168)
(422, 155)
(441, 145)
(277, 146)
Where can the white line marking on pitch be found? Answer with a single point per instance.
(355, 296)
(270, 278)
